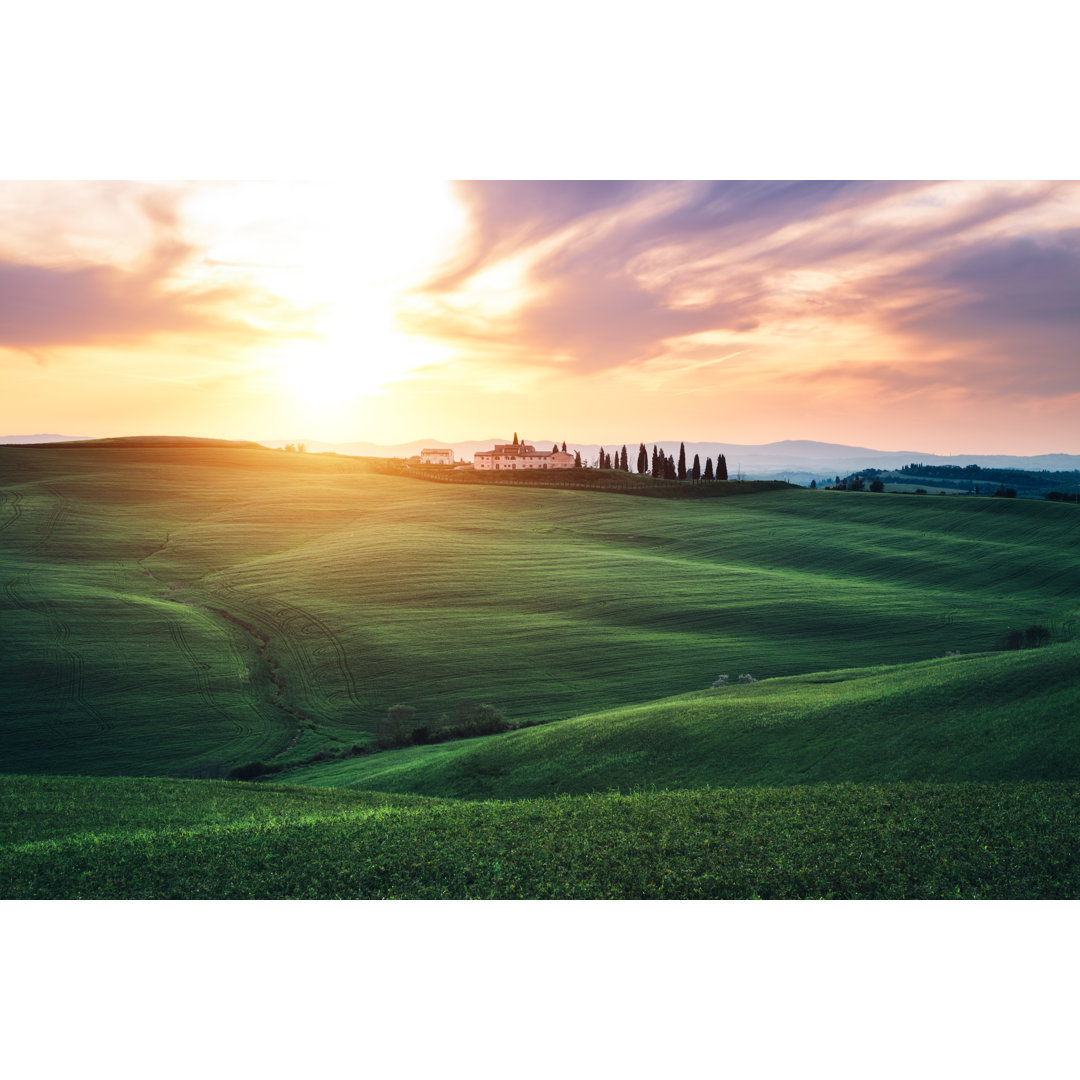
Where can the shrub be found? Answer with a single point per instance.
(254, 769)
(396, 729)
(721, 680)
(747, 679)
(1031, 638)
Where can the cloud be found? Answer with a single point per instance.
(1001, 313)
(72, 301)
(931, 285)
(616, 270)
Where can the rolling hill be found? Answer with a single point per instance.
(179, 610)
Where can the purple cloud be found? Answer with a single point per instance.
(649, 262)
(53, 306)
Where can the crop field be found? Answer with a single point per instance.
(177, 612)
(171, 839)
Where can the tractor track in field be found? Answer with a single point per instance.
(71, 683)
(15, 498)
(315, 648)
(275, 699)
(202, 677)
(59, 513)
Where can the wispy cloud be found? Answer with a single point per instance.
(974, 284)
(78, 298)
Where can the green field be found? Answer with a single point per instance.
(177, 612)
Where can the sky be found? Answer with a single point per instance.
(941, 316)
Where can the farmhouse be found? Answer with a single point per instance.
(436, 457)
(521, 456)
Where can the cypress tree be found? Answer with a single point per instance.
(601, 462)
(564, 446)
(515, 439)
(695, 472)
(657, 468)
(577, 459)
(670, 470)
(642, 460)
(721, 467)
(623, 463)
(708, 475)
(682, 461)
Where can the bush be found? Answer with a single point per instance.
(747, 679)
(396, 729)
(721, 680)
(253, 769)
(1031, 638)
(473, 718)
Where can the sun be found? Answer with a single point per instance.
(330, 379)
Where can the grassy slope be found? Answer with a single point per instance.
(169, 608)
(1000, 717)
(185, 610)
(121, 838)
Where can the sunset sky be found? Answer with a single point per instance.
(939, 316)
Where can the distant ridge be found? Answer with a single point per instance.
(146, 441)
(798, 460)
(27, 440)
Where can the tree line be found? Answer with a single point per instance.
(660, 465)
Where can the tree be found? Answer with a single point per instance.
(695, 472)
(515, 439)
(577, 459)
(657, 464)
(555, 449)
(601, 462)
(708, 474)
(876, 484)
(564, 446)
(642, 460)
(721, 467)
(682, 461)
(623, 463)
(397, 727)
(813, 485)
(670, 470)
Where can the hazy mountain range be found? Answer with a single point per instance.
(798, 460)
(795, 459)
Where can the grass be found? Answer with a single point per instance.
(174, 611)
(986, 718)
(263, 605)
(162, 839)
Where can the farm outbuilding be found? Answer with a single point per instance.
(436, 457)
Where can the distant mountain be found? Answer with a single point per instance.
(26, 440)
(798, 460)
(137, 441)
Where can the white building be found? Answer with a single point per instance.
(521, 456)
(436, 457)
